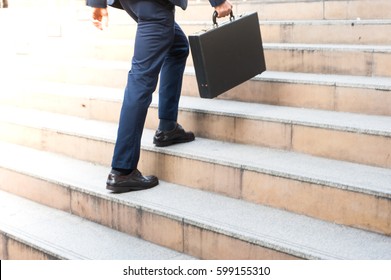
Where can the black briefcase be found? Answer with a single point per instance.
(227, 54)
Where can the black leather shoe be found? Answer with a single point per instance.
(135, 181)
(175, 136)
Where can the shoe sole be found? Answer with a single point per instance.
(123, 189)
(172, 142)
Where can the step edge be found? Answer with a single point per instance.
(58, 250)
(205, 223)
(275, 171)
(45, 247)
(263, 240)
(297, 116)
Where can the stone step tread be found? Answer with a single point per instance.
(332, 47)
(342, 121)
(328, 47)
(357, 21)
(291, 233)
(356, 26)
(281, 163)
(366, 82)
(328, 22)
(65, 236)
(383, 83)
(71, 17)
(333, 53)
(375, 125)
(311, 22)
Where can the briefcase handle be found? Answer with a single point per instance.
(215, 14)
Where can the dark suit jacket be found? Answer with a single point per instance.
(117, 4)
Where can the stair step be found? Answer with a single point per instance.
(333, 32)
(348, 32)
(357, 138)
(356, 31)
(321, 59)
(356, 94)
(29, 230)
(246, 172)
(329, 59)
(366, 95)
(232, 230)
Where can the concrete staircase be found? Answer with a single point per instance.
(294, 164)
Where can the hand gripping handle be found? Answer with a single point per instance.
(215, 14)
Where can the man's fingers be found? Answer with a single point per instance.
(100, 18)
(223, 14)
(97, 24)
(224, 9)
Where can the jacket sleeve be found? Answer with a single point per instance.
(103, 3)
(215, 3)
(97, 3)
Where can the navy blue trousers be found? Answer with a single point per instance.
(162, 48)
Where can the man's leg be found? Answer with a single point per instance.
(171, 77)
(154, 38)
